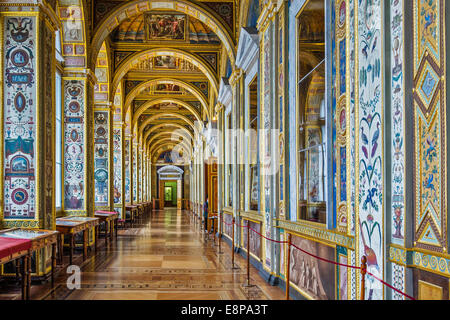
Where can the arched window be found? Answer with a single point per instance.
(311, 129)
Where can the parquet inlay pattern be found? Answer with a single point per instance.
(166, 257)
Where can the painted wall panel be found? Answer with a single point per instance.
(20, 99)
(74, 144)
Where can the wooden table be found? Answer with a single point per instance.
(92, 223)
(133, 212)
(110, 218)
(70, 228)
(13, 249)
(39, 239)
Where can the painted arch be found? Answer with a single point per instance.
(167, 125)
(187, 86)
(164, 114)
(156, 52)
(151, 103)
(166, 134)
(136, 7)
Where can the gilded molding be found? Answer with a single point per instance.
(318, 233)
(437, 263)
(252, 215)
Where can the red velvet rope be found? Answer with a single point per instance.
(266, 237)
(388, 285)
(325, 260)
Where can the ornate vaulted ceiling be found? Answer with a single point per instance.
(147, 49)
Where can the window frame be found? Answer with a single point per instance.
(330, 220)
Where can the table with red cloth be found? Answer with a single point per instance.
(13, 249)
(110, 218)
(132, 210)
(21, 243)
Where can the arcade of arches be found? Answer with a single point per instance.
(303, 128)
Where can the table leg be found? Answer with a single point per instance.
(53, 263)
(96, 237)
(16, 263)
(23, 271)
(111, 231)
(29, 276)
(85, 243)
(60, 248)
(106, 232)
(71, 247)
(116, 225)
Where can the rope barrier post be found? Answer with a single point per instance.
(288, 271)
(232, 248)
(363, 276)
(248, 253)
(220, 233)
(248, 256)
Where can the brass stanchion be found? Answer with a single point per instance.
(288, 271)
(363, 276)
(232, 249)
(232, 246)
(220, 234)
(248, 255)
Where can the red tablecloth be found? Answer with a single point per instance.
(10, 246)
(106, 212)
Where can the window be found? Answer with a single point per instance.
(253, 143)
(311, 130)
(58, 142)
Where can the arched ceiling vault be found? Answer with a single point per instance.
(165, 114)
(154, 155)
(189, 87)
(151, 103)
(137, 7)
(167, 126)
(165, 146)
(163, 141)
(147, 54)
(166, 134)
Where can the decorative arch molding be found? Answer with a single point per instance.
(164, 135)
(136, 7)
(151, 103)
(177, 53)
(162, 114)
(189, 87)
(166, 146)
(167, 125)
(174, 172)
(170, 168)
(169, 140)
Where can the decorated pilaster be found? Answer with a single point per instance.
(236, 145)
(27, 67)
(103, 153)
(268, 141)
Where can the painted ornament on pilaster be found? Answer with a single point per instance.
(117, 140)
(19, 117)
(101, 155)
(74, 149)
(370, 143)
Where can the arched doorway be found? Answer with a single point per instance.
(170, 187)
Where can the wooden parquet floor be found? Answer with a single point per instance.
(166, 257)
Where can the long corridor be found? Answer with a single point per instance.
(166, 257)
